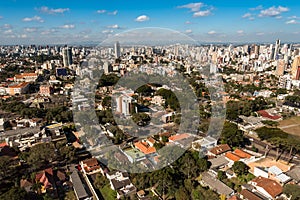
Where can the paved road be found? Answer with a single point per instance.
(289, 126)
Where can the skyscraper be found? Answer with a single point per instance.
(277, 45)
(280, 67)
(117, 50)
(67, 56)
(296, 68)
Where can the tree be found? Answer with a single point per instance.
(70, 195)
(240, 168)
(145, 90)
(41, 154)
(100, 181)
(231, 135)
(221, 175)
(4, 165)
(106, 103)
(292, 191)
(182, 194)
(15, 193)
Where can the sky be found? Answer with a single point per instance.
(66, 22)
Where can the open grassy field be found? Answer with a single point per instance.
(291, 126)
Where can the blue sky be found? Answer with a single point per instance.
(62, 21)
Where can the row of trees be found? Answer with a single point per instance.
(280, 139)
(246, 107)
(59, 113)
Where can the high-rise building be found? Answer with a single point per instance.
(124, 104)
(117, 50)
(280, 67)
(67, 56)
(277, 45)
(296, 68)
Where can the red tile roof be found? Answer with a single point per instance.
(144, 147)
(242, 154)
(270, 186)
(3, 144)
(265, 114)
(249, 195)
(232, 156)
(179, 137)
(220, 149)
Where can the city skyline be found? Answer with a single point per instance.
(54, 22)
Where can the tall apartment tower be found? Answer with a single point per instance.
(296, 68)
(276, 51)
(117, 50)
(67, 56)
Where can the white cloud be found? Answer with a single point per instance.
(188, 31)
(68, 26)
(47, 10)
(107, 31)
(212, 32)
(260, 33)
(247, 15)
(115, 26)
(7, 26)
(30, 29)
(260, 7)
(142, 18)
(294, 17)
(1, 17)
(31, 19)
(47, 32)
(240, 31)
(202, 13)
(188, 22)
(194, 7)
(292, 21)
(9, 31)
(101, 11)
(113, 13)
(22, 36)
(273, 11)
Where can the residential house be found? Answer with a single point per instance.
(132, 155)
(204, 144)
(120, 182)
(267, 187)
(276, 174)
(26, 77)
(239, 155)
(216, 185)
(46, 90)
(294, 173)
(248, 195)
(91, 166)
(219, 150)
(219, 163)
(20, 88)
(46, 178)
(145, 147)
(80, 190)
(183, 140)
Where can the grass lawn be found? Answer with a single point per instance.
(291, 125)
(108, 193)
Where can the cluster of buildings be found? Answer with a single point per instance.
(270, 176)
